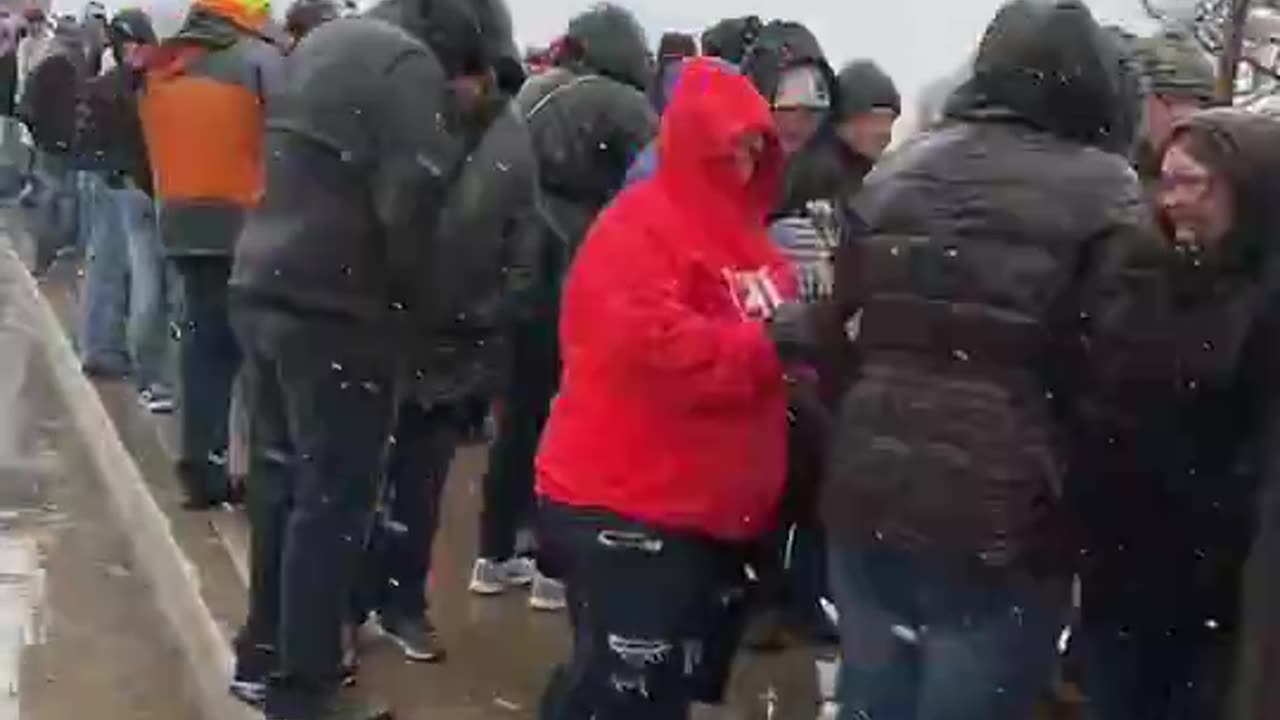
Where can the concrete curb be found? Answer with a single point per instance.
(174, 579)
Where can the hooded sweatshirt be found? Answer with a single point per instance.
(672, 409)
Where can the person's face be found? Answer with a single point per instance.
(796, 126)
(869, 133)
(1163, 112)
(1196, 201)
(745, 155)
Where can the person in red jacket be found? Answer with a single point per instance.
(664, 454)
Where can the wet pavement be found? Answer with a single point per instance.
(79, 632)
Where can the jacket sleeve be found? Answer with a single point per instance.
(627, 301)
(416, 159)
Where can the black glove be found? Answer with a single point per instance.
(791, 328)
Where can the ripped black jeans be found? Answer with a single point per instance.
(656, 615)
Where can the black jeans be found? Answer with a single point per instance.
(399, 556)
(526, 404)
(209, 358)
(656, 616)
(321, 403)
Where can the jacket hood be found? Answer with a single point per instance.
(213, 29)
(712, 106)
(1248, 146)
(609, 41)
(466, 35)
(1049, 64)
(731, 38)
(780, 46)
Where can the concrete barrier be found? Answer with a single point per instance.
(173, 577)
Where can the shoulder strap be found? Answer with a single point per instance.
(557, 90)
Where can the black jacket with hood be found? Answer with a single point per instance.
(589, 119)
(363, 146)
(967, 296)
(1173, 438)
(1212, 482)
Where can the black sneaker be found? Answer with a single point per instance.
(339, 706)
(415, 636)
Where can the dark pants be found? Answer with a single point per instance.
(321, 403)
(656, 616)
(791, 572)
(526, 404)
(1151, 644)
(404, 531)
(926, 640)
(209, 358)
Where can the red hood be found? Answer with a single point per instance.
(711, 107)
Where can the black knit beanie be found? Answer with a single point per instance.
(862, 87)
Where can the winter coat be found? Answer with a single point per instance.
(492, 202)
(109, 136)
(1173, 434)
(48, 103)
(967, 296)
(587, 129)
(672, 408)
(362, 150)
(1222, 456)
(205, 96)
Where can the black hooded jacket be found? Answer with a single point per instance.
(962, 305)
(589, 119)
(1203, 474)
(363, 145)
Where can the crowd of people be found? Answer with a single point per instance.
(754, 377)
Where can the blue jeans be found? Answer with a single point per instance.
(125, 288)
(104, 299)
(55, 215)
(924, 640)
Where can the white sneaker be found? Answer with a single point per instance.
(493, 577)
(547, 595)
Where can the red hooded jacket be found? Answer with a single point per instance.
(672, 409)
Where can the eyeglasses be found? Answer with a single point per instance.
(1186, 185)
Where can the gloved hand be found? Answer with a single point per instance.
(791, 328)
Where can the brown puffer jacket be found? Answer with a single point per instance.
(968, 298)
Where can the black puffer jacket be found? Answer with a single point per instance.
(362, 148)
(589, 119)
(968, 294)
(492, 202)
